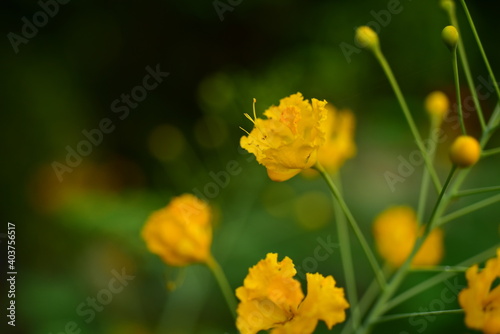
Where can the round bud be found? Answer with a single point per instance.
(448, 5)
(367, 38)
(450, 37)
(437, 104)
(465, 151)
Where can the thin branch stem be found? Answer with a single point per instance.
(434, 215)
(481, 49)
(417, 289)
(354, 225)
(424, 187)
(465, 65)
(490, 152)
(406, 111)
(457, 89)
(221, 279)
(468, 209)
(346, 256)
(368, 297)
(447, 269)
(417, 314)
(476, 191)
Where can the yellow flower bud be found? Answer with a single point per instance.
(450, 37)
(181, 232)
(367, 38)
(465, 151)
(437, 104)
(448, 5)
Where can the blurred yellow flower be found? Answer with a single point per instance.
(181, 232)
(288, 140)
(271, 298)
(339, 145)
(482, 305)
(396, 230)
(437, 105)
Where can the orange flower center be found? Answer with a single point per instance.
(290, 116)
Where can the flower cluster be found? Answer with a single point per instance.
(300, 135)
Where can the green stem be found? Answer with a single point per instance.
(465, 65)
(346, 257)
(417, 314)
(481, 49)
(490, 152)
(221, 279)
(476, 191)
(448, 269)
(424, 187)
(468, 209)
(457, 89)
(437, 207)
(368, 297)
(354, 225)
(401, 273)
(406, 111)
(425, 285)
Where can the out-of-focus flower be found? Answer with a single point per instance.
(450, 37)
(271, 298)
(181, 232)
(437, 105)
(396, 230)
(480, 300)
(465, 151)
(448, 5)
(339, 145)
(312, 210)
(288, 140)
(367, 38)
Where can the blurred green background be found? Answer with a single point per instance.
(72, 234)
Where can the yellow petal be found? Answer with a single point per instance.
(480, 302)
(324, 301)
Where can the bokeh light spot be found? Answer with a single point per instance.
(313, 210)
(166, 142)
(210, 132)
(277, 199)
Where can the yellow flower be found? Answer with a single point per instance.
(396, 230)
(271, 298)
(482, 305)
(181, 232)
(288, 140)
(339, 145)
